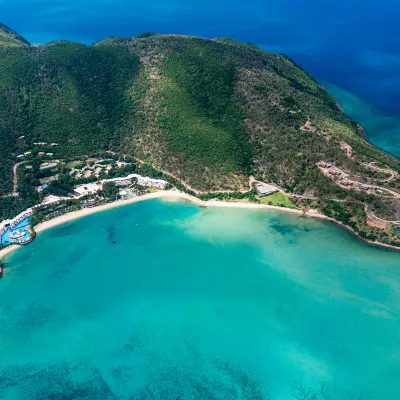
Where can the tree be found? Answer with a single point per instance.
(109, 191)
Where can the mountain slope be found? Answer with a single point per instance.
(210, 113)
(9, 38)
(214, 112)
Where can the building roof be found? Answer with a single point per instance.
(264, 188)
(89, 188)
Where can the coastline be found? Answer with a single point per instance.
(174, 194)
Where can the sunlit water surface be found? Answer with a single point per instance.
(165, 300)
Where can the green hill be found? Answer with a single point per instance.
(211, 113)
(9, 38)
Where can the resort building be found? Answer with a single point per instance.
(125, 181)
(16, 230)
(334, 171)
(126, 194)
(87, 189)
(16, 220)
(46, 144)
(264, 189)
(324, 164)
(89, 203)
(51, 199)
(92, 188)
(141, 181)
(150, 182)
(42, 187)
(346, 183)
(49, 164)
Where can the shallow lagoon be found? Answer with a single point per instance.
(166, 300)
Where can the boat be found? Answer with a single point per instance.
(1, 269)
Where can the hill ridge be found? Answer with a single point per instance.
(10, 38)
(210, 112)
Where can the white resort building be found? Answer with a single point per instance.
(10, 223)
(141, 181)
(264, 189)
(7, 224)
(88, 188)
(93, 188)
(80, 191)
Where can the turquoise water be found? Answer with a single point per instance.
(380, 129)
(165, 300)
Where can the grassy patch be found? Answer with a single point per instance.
(154, 190)
(49, 179)
(278, 199)
(245, 200)
(75, 164)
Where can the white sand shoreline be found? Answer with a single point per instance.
(173, 194)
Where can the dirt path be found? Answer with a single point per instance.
(14, 193)
(15, 178)
(373, 217)
(393, 174)
(345, 176)
(187, 186)
(303, 196)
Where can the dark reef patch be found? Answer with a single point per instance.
(64, 230)
(110, 234)
(55, 382)
(77, 255)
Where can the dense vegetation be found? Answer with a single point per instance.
(207, 113)
(65, 93)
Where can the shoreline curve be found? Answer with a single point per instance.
(175, 194)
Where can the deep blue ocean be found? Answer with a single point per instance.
(351, 44)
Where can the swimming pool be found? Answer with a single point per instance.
(22, 226)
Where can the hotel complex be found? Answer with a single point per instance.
(132, 179)
(11, 223)
(17, 230)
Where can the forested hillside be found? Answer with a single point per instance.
(67, 93)
(210, 113)
(213, 112)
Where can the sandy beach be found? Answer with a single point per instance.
(175, 195)
(171, 194)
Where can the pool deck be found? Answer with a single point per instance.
(21, 226)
